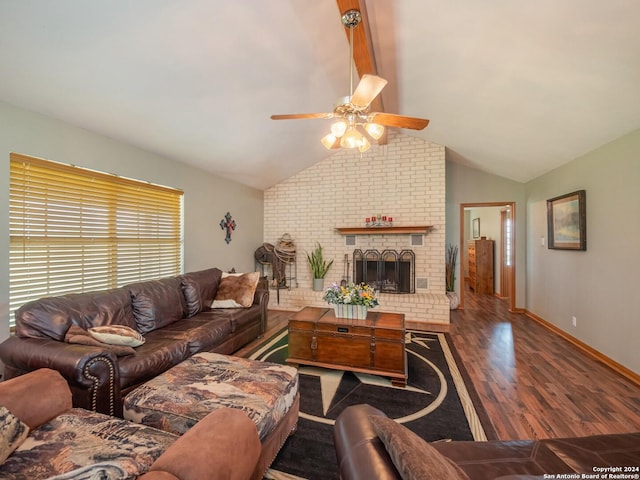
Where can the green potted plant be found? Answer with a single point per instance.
(319, 267)
(451, 258)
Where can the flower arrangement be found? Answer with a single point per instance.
(351, 294)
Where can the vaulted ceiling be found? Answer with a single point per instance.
(512, 87)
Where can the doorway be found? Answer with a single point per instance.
(504, 232)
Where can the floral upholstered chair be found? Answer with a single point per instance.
(43, 437)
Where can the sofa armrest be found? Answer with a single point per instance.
(36, 397)
(361, 454)
(261, 297)
(227, 443)
(91, 372)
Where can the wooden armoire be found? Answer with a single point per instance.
(480, 255)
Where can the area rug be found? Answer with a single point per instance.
(437, 403)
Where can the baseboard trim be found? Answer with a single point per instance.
(592, 352)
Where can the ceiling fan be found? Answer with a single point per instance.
(353, 113)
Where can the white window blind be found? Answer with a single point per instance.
(76, 230)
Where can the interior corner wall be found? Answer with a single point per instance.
(207, 198)
(598, 285)
(468, 185)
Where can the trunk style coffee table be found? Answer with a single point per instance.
(374, 345)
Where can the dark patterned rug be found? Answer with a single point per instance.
(438, 403)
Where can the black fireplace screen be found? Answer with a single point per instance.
(389, 271)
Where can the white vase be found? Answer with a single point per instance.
(350, 311)
(454, 301)
(318, 284)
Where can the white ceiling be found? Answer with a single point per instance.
(512, 87)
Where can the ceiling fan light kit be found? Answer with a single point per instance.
(352, 111)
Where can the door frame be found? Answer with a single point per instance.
(505, 277)
(463, 250)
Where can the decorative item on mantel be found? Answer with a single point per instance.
(379, 221)
(352, 300)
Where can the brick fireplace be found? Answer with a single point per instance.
(404, 179)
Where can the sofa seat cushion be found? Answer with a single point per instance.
(83, 441)
(238, 318)
(202, 332)
(603, 450)
(161, 351)
(183, 395)
(488, 460)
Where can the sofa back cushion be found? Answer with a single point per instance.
(157, 303)
(113, 308)
(200, 289)
(48, 317)
(51, 317)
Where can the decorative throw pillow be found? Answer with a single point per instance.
(236, 290)
(12, 433)
(117, 335)
(414, 458)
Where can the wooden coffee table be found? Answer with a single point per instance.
(374, 345)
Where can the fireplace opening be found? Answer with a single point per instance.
(388, 272)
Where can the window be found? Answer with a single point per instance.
(75, 230)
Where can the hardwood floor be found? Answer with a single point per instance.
(533, 383)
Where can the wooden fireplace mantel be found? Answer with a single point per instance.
(384, 230)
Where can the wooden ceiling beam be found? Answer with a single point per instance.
(363, 56)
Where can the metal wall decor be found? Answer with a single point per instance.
(228, 224)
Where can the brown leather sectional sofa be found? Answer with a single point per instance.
(362, 454)
(173, 314)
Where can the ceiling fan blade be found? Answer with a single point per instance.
(368, 89)
(399, 121)
(294, 116)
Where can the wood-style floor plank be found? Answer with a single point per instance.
(533, 383)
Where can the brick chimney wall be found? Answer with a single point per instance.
(404, 179)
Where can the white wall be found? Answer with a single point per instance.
(468, 185)
(207, 198)
(599, 285)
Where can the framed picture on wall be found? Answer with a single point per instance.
(476, 228)
(567, 221)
